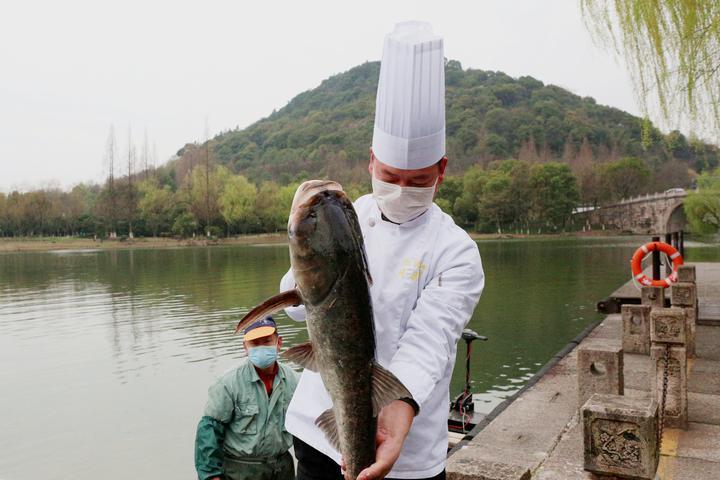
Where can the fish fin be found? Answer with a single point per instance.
(303, 355)
(271, 305)
(328, 424)
(385, 388)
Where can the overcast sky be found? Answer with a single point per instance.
(70, 69)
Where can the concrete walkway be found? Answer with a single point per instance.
(538, 435)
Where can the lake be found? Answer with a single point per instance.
(106, 356)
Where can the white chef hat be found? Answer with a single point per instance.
(410, 106)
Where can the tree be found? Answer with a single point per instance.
(145, 155)
(184, 224)
(37, 210)
(671, 174)
(528, 151)
(520, 192)
(207, 178)
(702, 208)
(271, 211)
(111, 209)
(496, 203)
(131, 205)
(203, 191)
(448, 193)
(3, 215)
(466, 208)
(554, 194)
(14, 213)
(155, 206)
(672, 48)
(237, 202)
(624, 178)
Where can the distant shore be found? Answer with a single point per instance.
(44, 244)
(41, 244)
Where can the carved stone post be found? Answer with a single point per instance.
(600, 370)
(653, 296)
(687, 273)
(684, 294)
(636, 329)
(690, 327)
(667, 328)
(620, 436)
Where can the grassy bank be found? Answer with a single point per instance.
(41, 244)
(503, 236)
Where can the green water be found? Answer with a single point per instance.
(105, 356)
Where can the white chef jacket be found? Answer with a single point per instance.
(427, 279)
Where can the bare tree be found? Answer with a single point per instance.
(153, 161)
(145, 154)
(130, 192)
(110, 154)
(207, 178)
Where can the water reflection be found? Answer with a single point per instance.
(105, 356)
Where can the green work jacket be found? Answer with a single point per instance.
(240, 421)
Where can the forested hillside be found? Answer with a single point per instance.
(490, 116)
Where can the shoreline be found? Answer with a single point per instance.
(46, 244)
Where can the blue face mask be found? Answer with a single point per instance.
(263, 357)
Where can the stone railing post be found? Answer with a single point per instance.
(600, 370)
(653, 296)
(620, 436)
(636, 328)
(667, 334)
(684, 295)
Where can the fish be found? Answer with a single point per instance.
(329, 263)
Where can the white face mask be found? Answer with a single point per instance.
(402, 204)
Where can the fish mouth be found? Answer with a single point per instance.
(305, 197)
(307, 190)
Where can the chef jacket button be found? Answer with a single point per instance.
(371, 222)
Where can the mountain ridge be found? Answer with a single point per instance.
(490, 116)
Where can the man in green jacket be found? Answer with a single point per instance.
(242, 432)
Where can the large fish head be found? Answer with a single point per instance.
(322, 232)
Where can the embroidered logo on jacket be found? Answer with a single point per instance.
(411, 269)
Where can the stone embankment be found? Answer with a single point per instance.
(596, 409)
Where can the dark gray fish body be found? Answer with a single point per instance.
(339, 316)
(328, 261)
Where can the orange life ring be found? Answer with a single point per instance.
(637, 258)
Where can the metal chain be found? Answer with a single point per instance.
(666, 369)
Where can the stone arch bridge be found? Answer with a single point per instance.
(648, 214)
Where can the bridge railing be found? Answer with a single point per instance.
(648, 197)
(651, 197)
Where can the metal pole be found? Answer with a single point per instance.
(676, 240)
(682, 243)
(467, 367)
(668, 240)
(656, 261)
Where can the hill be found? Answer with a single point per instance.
(523, 156)
(490, 116)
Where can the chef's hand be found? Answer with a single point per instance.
(394, 424)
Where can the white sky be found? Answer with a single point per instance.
(70, 69)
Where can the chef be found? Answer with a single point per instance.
(427, 274)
